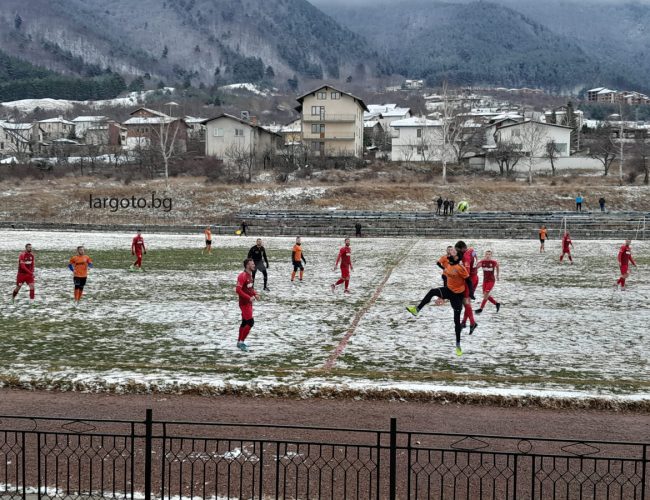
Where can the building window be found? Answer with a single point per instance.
(239, 132)
(335, 95)
(419, 132)
(516, 133)
(321, 96)
(422, 149)
(218, 132)
(561, 148)
(317, 110)
(315, 145)
(2, 145)
(317, 128)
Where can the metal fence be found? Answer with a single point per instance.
(59, 458)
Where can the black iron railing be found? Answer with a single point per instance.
(59, 458)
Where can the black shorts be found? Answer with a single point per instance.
(297, 265)
(208, 242)
(79, 282)
(542, 241)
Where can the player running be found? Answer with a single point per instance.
(25, 275)
(258, 254)
(624, 260)
(468, 258)
(297, 258)
(543, 236)
(567, 244)
(490, 277)
(208, 241)
(137, 249)
(247, 295)
(345, 258)
(79, 265)
(458, 285)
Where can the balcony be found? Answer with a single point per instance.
(329, 136)
(329, 117)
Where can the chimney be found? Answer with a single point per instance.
(245, 115)
(253, 120)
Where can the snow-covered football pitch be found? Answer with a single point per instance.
(562, 329)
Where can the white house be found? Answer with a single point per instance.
(228, 136)
(418, 139)
(83, 123)
(531, 137)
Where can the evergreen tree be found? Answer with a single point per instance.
(18, 21)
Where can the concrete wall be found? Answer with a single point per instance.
(543, 165)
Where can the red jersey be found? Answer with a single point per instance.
(625, 256)
(137, 245)
(26, 263)
(245, 288)
(468, 261)
(489, 268)
(345, 256)
(566, 242)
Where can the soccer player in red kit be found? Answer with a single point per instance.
(468, 258)
(137, 249)
(624, 260)
(490, 277)
(247, 295)
(567, 244)
(345, 258)
(25, 273)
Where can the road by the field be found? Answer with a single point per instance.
(347, 413)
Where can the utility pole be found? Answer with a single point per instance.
(620, 138)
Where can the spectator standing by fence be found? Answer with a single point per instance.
(579, 201)
(601, 202)
(445, 205)
(451, 207)
(439, 202)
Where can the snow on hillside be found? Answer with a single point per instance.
(63, 105)
(250, 87)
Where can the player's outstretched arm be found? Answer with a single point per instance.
(70, 267)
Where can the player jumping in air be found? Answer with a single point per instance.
(458, 283)
(443, 262)
(468, 258)
(79, 265)
(137, 249)
(258, 254)
(297, 258)
(247, 295)
(624, 260)
(567, 244)
(490, 277)
(543, 236)
(345, 258)
(25, 273)
(208, 241)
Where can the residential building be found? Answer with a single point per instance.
(56, 128)
(146, 126)
(83, 123)
(519, 134)
(373, 133)
(19, 139)
(105, 134)
(228, 137)
(195, 128)
(332, 122)
(418, 139)
(413, 84)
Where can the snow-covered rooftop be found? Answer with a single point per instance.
(148, 120)
(371, 123)
(56, 120)
(416, 121)
(16, 126)
(91, 119)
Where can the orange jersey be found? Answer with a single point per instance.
(444, 261)
(456, 276)
(297, 253)
(543, 234)
(80, 265)
(208, 235)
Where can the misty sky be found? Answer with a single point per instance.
(320, 3)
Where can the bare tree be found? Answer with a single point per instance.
(532, 144)
(552, 153)
(447, 113)
(641, 156)
(243, 158)
(164, 137)
(506, 155)
(602, 147)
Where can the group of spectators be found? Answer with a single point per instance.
(580, 200)
(445, 207)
